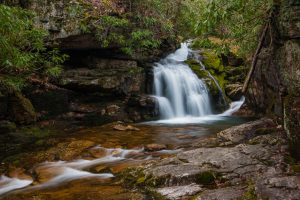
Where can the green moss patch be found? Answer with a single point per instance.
(135, 177)
(207, 178)
(250, 194)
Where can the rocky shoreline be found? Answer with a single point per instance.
(250, 161)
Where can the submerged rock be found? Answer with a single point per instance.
(121, 127)
(155, 147)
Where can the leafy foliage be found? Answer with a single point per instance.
(236, 22)
(134, 25)
(23, 51)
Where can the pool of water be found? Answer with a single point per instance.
(93, 172)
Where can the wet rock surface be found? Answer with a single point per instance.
(238, 163)
(179, 192)
(155, 147)
(122, 127)
(228, 193)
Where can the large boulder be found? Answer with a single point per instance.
(275, 87)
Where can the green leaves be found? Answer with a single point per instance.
(23, 51)
(237, 21)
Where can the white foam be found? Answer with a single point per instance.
(9, 184)
(234, 107)
(208, 119)
(70, 174)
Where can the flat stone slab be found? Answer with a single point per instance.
(228, 193)
(286, 187)
(179, 192)
(173, 175)
(223, 159)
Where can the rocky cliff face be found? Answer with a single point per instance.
(98, 83)
(275, 86)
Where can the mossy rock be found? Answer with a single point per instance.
(204, 75)
(214, 91)
(207, 178)
(213, 64)
(21, 110)
(135, 177)
(250, 194)
(295, 168)
(212, 61)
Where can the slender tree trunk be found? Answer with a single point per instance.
(255, 58)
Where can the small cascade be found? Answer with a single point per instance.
(197, 58)
(8, 184)
(178, 90)
(234, 107)
(61, 172)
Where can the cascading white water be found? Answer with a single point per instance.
(178, 90)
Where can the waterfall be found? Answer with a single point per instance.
(181, 96)
(179, 92)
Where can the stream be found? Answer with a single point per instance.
(186, 116)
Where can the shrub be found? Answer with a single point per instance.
(23, 52)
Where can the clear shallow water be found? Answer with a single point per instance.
(115, 151)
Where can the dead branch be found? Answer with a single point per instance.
(255, 58)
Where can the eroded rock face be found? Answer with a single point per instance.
(275, 87)
(102, 73)
(110, 77)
